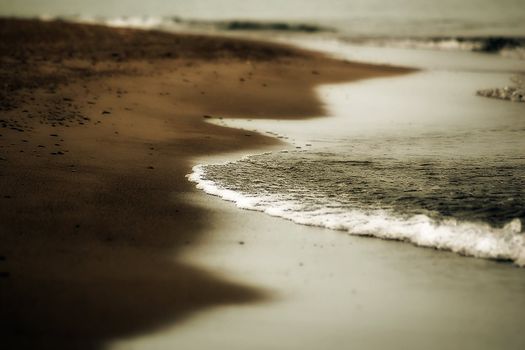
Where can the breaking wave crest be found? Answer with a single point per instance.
(510, 47)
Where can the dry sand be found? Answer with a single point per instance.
(99, 127)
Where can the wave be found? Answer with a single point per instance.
(474, 239)
(178, 23)
(511, 47)
(272, 26)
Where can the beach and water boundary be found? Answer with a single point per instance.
(446, 178)
(154, 269)
(93, 216)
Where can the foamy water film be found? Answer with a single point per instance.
(466, 206)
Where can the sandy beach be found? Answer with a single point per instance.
(99, 128)
(326, 289)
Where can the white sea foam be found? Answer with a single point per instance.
(428, 43)
(467, 238)
(135, 22)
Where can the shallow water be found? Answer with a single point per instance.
(334, 291)
(478, 190)
(417, 158)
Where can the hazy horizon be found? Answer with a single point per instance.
(489, 10)
(400, 18)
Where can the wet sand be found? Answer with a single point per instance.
(98, 128)
(332, 290)
(329, 290)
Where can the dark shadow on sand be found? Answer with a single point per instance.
(90, 258)
(87, 273)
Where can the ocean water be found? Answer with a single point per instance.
(354, 17)
(483, 25)
(471, 207)
(368, 17)
(418, 158)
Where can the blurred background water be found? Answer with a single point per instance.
(354, 17)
